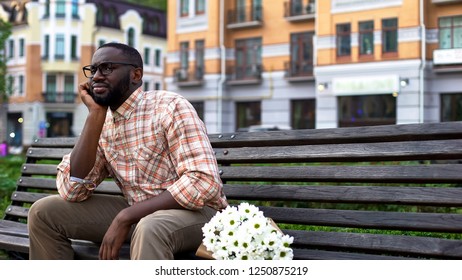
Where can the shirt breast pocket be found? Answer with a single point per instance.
(151, 163)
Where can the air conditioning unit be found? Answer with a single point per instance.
(255, 70)
(182, 74)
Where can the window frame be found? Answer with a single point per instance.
(451, 28)
(343, 40)
(366, 32)
(386, 31)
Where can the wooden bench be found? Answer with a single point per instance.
(384, 192)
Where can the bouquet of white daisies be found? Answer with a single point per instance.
(244, 233)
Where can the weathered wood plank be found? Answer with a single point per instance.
(379, 243)
(369, 134)
(435, 150)
(348, 194)
(432, 222)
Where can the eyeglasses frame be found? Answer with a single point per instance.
(88, 67)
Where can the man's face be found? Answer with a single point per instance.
(110, 89)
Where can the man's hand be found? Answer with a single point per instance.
(114, 238)
(87, 99)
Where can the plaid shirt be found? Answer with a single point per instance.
(153, 142)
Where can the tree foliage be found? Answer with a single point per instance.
(159, 4)
(5, 32)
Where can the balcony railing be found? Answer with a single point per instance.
(245, 74)
(298, 71)
(298, 10)
(186, 77)
(250, 16)
(59, 97)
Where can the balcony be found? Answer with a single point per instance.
(246, 17)
(296, 71)
(183, 77)
(298, 10)
(245, 74)
(59, 97)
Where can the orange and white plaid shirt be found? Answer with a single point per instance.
(153, 142)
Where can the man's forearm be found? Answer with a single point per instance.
(84, 153)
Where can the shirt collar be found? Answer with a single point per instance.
(126, 109)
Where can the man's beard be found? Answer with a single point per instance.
(115, 96)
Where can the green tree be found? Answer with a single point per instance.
(159, 4)
(5, 32)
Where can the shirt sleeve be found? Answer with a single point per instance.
(79, 189)
(199, 183)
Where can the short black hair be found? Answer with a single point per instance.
(133, 55)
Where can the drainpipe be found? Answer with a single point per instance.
(222, 79)
(422, 63)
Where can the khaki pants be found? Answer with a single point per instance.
(53, 222)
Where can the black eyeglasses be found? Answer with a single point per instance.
(105, 68)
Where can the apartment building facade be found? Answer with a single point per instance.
(243, 63)
(316, 64)
(50, 43)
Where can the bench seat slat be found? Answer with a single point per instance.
(52, 153)
(436, 173)
(39, 169)
(348, 194)
(108, 187)
(378, 243)
(432, 222)
(369, 134)
(448, 149)
(311, 254)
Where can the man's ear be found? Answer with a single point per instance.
(137, 75)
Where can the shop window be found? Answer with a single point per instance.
(451, 107)
(247, 114)
(199, 107)
(302, 113)
(366, 110)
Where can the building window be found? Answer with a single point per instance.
(101, 42)
(131, 37)
(301, 54)
(248, 58)
(450, 32)
(248, 113)
(257, 10)
(451, 107)
(69, 89)
(302, 113)
(21, 85)
(389, 35)
(200, 7)
(199, 71)
(46, 47)
(147, 56)
(47, 9)
(59, 51)
(10, 48)
(184, 8)
(343, 39)
(74, 47)
(184, 55)
(146, 85)
(21, 47)
(366, 37)
(366, 110)
(50, 84)
(199, 107)
(158, 58)
(157, 86)
(60, 8)
(75, 8)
